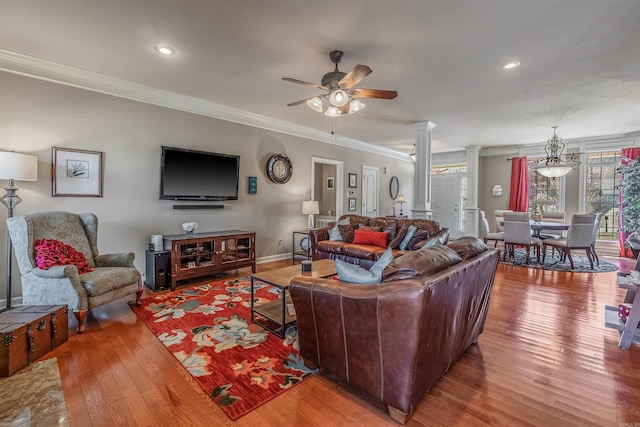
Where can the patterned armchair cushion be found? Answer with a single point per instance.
(107, 279)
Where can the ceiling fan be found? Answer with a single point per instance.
(341, 94)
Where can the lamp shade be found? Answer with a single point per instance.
(18, 166)
(401, 199)
(310, 207)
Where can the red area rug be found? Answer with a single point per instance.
(208, 329)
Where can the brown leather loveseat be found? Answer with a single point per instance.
(367, 255)
(396, 339)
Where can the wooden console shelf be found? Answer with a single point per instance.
(203, 254)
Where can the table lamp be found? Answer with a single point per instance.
(401, 200)
(311, 208)
(15, 167)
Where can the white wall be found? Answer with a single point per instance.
(36, 115)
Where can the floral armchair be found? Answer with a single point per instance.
(113, 276)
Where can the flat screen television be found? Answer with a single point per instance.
(198, 175)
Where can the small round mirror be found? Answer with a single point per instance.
(394, 187)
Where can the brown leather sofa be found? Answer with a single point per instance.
(395, 340)
(367, 255)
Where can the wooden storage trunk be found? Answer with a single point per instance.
(59, 320)
(38, 331)
(13, 347)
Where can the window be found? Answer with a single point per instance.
(544, 193)
(602, 179)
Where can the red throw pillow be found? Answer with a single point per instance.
(54, 252)
(375, 238)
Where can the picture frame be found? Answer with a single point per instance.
(353, 180)
(331, 183)
(352, 204)
(76, 173)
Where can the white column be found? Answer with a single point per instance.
(422, 177)
(472, 211)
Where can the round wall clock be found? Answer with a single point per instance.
(279, 168)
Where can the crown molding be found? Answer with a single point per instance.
(17, 63)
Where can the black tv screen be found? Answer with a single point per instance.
(198, 175)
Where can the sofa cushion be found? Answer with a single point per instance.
(346, 231)
(375, 238)
(467, 246)
(332, 247)
(50, 252)
(404, 244)
(369, 228)
(418, 237)
(440, 238)
(395, 241)
(421, 263)
(423, 224)
(388, 225)
(355, 274)
(360, 251)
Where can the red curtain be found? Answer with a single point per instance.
(519, 196)
(627, 154)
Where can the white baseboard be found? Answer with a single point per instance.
(277, 257)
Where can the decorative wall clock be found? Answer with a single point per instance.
(279, 168)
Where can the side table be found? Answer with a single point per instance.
(301, 238)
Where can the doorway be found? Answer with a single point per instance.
(326, 188)
(369, 191)
(446, 201)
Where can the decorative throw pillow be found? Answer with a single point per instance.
(50, 253)
(467, 246)
(369, 228)
(334, 234)
(407, 238)
(375, 238)
(355, 274)
(420, 263)
(396, 240)
(346, 231)
(428, 243)
(418, 236)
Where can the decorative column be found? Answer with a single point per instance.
(422, 177)
(472, 211)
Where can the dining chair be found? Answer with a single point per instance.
(517, 232)
(596, 228)
(487, 235)
(579, 236)
(552, 216)
(499, 215)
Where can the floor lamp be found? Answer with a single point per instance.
(15, 167)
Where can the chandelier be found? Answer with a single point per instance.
(556, 164)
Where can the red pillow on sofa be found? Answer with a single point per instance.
(50, 253)
(375, 238)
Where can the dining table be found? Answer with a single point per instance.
(538, 226)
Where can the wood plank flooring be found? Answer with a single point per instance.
(544, 359)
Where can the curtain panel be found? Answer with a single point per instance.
(519, 195)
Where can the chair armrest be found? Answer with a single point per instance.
(317, 235)
(60, 272)
(115, 260)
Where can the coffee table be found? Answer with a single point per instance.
(274, 315)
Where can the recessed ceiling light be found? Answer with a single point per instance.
(511, 65)
(163, 49)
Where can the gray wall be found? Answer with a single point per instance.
(36, 115)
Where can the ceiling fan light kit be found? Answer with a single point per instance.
(340, 90)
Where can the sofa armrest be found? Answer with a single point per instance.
(317, 235)
(115, 260)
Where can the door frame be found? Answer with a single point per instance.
(338, 183)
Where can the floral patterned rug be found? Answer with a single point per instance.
(208, 329)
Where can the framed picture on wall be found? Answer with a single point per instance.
(331, 183)
(76, 173)
(352, 204)
(353, 180)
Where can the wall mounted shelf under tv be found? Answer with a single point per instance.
(198, 176)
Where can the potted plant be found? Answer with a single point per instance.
(630, 204)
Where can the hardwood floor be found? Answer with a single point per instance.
(544, 359)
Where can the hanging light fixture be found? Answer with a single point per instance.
(355, 106)
(556, 164)
(413, 153)
(332, 112)
(338, 98)
(315, 104)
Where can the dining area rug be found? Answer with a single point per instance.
(554, 263)
(208, 329)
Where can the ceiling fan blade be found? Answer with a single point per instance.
(354, 76)
(289, 79)
(374, 93)
(302, 101)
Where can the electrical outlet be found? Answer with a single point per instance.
(280, 241)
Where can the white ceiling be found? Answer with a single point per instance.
(580, 60)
